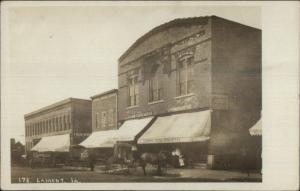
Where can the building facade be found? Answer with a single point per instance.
(70, 116)
(195, 64)
(104, 111)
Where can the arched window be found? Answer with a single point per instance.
(60, 123)
(63, 123)
(55, 124)
(48, 126)
(44, 126)
(52, 125)
(69, 122)
(34, 126)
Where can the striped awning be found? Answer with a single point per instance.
(56, 143)
(184, 127)
(131, 128)
(100, 139)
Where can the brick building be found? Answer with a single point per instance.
(104, 111)
(104, 125)
(58, 126)
(205, 69)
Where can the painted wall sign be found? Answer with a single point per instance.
(137, 114)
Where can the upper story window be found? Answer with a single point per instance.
(103, 119)
(111, 117)
(133, 98)
(155, 89)
(185, 73)
(98, 120)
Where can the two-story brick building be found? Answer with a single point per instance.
(200, 78)
(104, 124)
(58, 127)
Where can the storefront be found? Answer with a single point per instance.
(127, 136)
(51, 151)
(119, 143)
(184, 135)
(100, 144)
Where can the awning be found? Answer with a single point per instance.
(100, 139)
(256, 129)
(131, 128)
(57, 143)
(186, 127)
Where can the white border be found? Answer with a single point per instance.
(280, 25)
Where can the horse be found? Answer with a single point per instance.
(160, 159)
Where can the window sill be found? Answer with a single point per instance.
(132, 107)
(185, 96)
(155, 102)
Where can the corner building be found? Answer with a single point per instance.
(190, 65)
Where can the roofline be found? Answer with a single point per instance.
(104, 93)
(221, 18)
(54, 105)
(170, 24)
(161, 28)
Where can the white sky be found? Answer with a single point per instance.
(60, 52)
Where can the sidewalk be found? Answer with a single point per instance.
(218, 175)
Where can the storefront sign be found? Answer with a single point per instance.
(138, 114)
(180, 108)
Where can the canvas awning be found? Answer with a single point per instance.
(256, 129)
(186, 127)
(131, 128)
(100, 139)
(56, 143)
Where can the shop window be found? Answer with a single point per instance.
(133, 98)
(185, 75)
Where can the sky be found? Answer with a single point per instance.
(57, 52)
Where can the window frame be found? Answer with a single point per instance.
(103, 119)
(187, 67)
(133, 100)
(155, 89)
